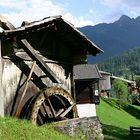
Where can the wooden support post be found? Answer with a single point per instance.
(30, 51)
(73, 85)
(18, 110)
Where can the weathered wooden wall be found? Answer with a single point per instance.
(1, 91)
(105, 83)
(14, 75)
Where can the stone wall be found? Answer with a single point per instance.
(83, 128)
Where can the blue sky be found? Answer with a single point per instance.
(78, 12)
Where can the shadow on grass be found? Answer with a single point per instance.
(112, 102)
(132, 111)
(115, 133)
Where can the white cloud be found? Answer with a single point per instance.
(91, 11)
(119, 7)
(132, 3)
(30, 10)
(77, 21)
(110, 10)
(17, 11)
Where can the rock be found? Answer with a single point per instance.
(85, 128)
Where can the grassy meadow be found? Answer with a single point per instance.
(15, 129)
(117, 120)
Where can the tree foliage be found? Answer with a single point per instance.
(121, 90)
(125, 65)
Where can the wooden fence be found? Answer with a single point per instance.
(134, 130)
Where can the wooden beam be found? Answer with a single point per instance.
(43, 66)
(18, 110)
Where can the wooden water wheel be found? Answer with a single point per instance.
(53, 104)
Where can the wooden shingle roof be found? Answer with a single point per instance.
(86, 72)
(56, 38)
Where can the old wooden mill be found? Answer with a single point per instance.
(36, 65)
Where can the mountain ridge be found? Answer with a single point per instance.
(114, 38)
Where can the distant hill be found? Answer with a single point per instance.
(114, 38)
(126, 64)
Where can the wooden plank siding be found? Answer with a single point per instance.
(1, 91)
(56, 47)
(14, 77)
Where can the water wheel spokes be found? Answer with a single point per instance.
(66, 111)
(53, 104)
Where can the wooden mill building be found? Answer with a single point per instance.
(36, 66)
(86, 78)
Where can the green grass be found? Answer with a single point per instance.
(15, 129)
(116, 121)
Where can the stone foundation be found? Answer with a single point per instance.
(83, 128)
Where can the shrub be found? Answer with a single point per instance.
(121, 90)
(133, 97)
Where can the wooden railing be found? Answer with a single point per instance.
(134, 130)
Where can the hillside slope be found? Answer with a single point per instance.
(115, 121)
(114, 38)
